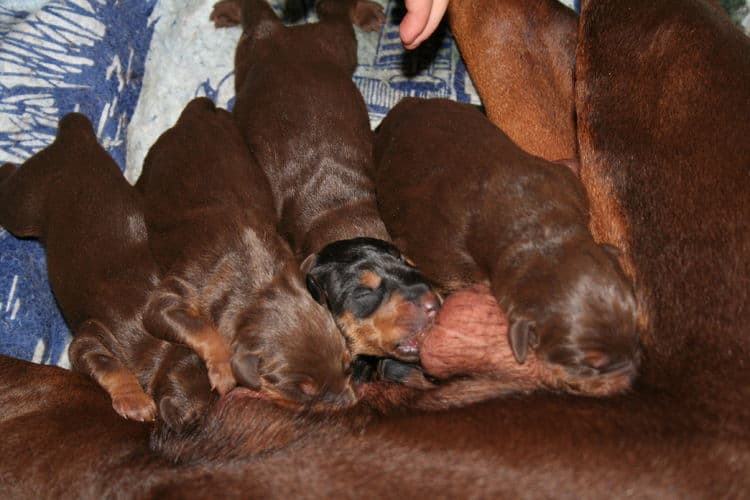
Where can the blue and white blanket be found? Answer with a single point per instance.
(131, 66)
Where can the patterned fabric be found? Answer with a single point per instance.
(131, 66)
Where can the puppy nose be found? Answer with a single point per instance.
(341, 399)
(430, 304)
(347, 398)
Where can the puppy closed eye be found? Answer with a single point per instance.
(362, 292)
(365, 301)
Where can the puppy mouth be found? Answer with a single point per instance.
(408, 350)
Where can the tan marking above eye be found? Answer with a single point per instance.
(370, 279)
(363, 337)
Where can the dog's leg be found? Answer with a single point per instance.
(256, 16)
(521, 57)
(171, 315)
(366, 14)
(89, 354)
(407, 374)
(180, 388)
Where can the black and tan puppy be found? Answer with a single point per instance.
(514, 220)
(307, 124)
(210, 214)
(72, 196)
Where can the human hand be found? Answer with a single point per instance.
(421, 19)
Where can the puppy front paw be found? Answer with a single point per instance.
(368, 15)
(221, 377)
(406, 374)
(178, 413)
(134, 405)
(226, 13)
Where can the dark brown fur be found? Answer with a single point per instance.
(73, 197)
(516, 221)
(307, 124)
(683, 432)
(210, 214)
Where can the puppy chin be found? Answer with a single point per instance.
(408, 350)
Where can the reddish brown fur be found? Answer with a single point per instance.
(521, 59)
(223, 260)
(683, 432)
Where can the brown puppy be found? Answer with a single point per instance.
(211, 221)
(307, 124)
(521, 57)
(72, 196)
(515, 220)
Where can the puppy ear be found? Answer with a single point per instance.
(246, 369)
(308, 263)
(521, 335)
(317, 292)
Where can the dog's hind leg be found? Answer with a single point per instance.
(89, 354)
(256, 16)
(366, 14)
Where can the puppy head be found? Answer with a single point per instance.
(577, 312)
(289, 349)
(379, 300)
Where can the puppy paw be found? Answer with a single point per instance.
(226, 13)
(221, 377)
(368, 15)
(406, 374)
(135, 406)
(179, 413)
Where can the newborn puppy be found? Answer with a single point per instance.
(72, 196)
(210, 216)
(516, 221)
(307, 124)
